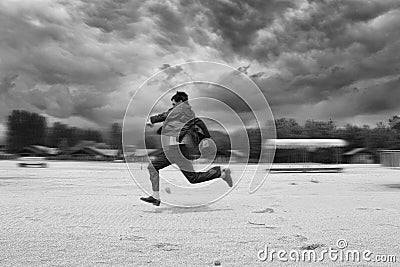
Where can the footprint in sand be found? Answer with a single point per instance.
(281, 220)
(267, 210)
(300, 238)
(263, 225)
(166, 246)
(312, 246)
(293, 238)
(132, 238)
(369, 208)
(297, 226)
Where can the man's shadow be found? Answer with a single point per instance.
(181, 210)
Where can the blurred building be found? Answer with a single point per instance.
(299, 153)
(390, 158)
(38, 151)
(94, 153)
(140, 155)
(306, 150)
(4, 154)
(359, 155)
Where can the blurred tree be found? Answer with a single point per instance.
(62, 136)
(353, 134)
(73, 137)
(152, 141)
(92, 135)
(288, 128)
(254, 135)
(319, 129)
(63, 145)
(24, 129)
(115, 136)
(57, 133)
(222, 142)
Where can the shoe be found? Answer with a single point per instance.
(151, 200)
(227, 178)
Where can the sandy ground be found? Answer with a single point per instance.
(89, 213)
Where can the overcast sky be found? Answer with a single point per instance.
(79, 61)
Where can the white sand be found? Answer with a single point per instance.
(89, 213)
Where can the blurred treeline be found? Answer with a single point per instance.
(25, 128)
(379, 137)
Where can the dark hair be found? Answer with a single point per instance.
(180, 96)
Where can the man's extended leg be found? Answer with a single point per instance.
(193, 177)
(211, 174)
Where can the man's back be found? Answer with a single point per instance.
(174, 119)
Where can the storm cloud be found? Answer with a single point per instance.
(312, 59)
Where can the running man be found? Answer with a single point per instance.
(178, 148)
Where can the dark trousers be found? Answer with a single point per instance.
(180, 155)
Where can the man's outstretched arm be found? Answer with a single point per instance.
(159, 117)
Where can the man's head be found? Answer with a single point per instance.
(179, 97)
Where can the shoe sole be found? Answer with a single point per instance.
(154, 203)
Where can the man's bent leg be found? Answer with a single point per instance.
(154, 178)
(159, 162)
